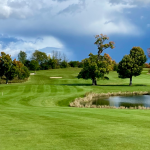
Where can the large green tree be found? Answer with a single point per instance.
(22, 71)
(7, 68)
(22, 56)
(39, 56)
(93, 68)
(132, 64)
(34, 65)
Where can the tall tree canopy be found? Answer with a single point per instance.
(93, 68)
(22, 56)
(39, 56)
(132, 64)
(6, 67)
(11, 69)
(100, 43)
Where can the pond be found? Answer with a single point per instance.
(126, 101)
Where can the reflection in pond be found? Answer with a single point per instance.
(127, 101)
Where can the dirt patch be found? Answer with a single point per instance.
(55, 77)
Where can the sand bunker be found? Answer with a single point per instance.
(55, 77)
(32, 73)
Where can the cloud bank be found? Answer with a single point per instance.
(47, 19)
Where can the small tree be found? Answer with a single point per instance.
(93, 68)
(22, 56)
(132, 64)
(100, 43)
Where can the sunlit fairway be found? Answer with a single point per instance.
(35, 115)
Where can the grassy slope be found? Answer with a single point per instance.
(31, 116)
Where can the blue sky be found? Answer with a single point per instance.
(69, 26)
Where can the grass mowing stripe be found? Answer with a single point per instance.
(53, 90)
(34, 89)
(32, 120)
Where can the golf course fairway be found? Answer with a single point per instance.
(35, 115)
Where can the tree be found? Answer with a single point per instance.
(7, 68)
(39, 56)
(27, 63)
(22, 71)
(74, 63)
(93, 68)
(64, 64)
(34, 65)
(22, 56)
(100, 43)
(132, 64)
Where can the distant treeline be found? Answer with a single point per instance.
(19, 69)
(40, 61)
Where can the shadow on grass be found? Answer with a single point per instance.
(102, 85)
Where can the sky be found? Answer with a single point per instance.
(70, 26)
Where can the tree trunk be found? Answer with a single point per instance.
(130, 81)
(94, 82)
(6, 80)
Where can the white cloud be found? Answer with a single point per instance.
(30, 45)
(78, 17)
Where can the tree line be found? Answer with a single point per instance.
(42, 61)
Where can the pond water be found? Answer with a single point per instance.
(127, 101)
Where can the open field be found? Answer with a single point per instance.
(35, 114)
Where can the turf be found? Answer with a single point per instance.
(35, 114)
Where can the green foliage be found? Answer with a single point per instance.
(27, 63)
(11, 74)
(64, 64)
(39, 56)
(5, 63)
(132, 64)
(34, 65)
(22, 56)
(74, 63)
(7, 68)
(94, 68)
(23, 73)
(44, 66)
(115, 67)
(53, 63)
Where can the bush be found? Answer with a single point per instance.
(64, 64)
(23, 73)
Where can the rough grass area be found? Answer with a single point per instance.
(35, 114)
(15, 80)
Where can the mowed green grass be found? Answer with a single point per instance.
(35, 115)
